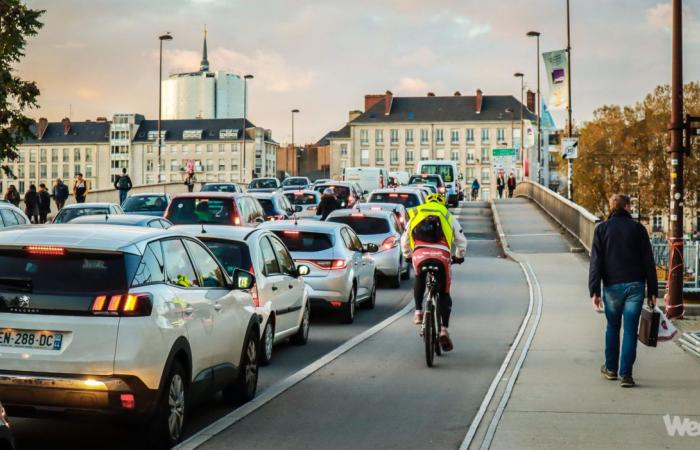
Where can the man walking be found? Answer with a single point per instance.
(511, 185)
(123, 185)
(500, 184)
(44, 203)
(60, 193)
(622, 259)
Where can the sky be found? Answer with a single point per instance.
(100, 57)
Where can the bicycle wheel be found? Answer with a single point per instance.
(437, 325)
(429, 338)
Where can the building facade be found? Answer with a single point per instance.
(398, 132)
(212, 148)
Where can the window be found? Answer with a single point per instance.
(500, 135)
(379, 155)
(379, 136)
(54, 155)
(454, 136)
(76, 169)
(234, 166)
(178, 267)
(394, 136)
(174, 165)
(484, 155)
(150, 269)
(409, 136)
(66, 155)
(42, 171)
(54, 170)
(470, 156)
(424, 136)
(657, 223)
(222, 148)
(198, 148)
(364, 157)
(149, 165)
(210, 165)
(210, 148)
(32, 155)
(76, 154)
(439, 136)
(269, 261)
(364, 136)
(88, 171)
(409, 156)
(88, 155)
(485, 135)
(209, 270)
(66, 172)
(394, 156)
(21, 155)
(42, 155)
(32, 173)
(283, 257)
(424, 154)
(222, 165)
(343, 150)
(485, 175)
(469, 173)
(454, 156)
(470, 135)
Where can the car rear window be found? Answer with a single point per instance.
(70, 273)
(407, 200)
(295, 182)
(342, 192)
(301, 199)
(145, 203)
(304, 241)
(262, 184)
(268, 206)
(191, 210)
(418, 179)
(219, 188)
(362, 224)
(68, 214)
(231, 254)
(444, 170)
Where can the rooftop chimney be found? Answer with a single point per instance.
(101, 119)
(479, 101)
(388, 98)
(457, 94)
(41, 127)
(431, 94)
(66, 125)
(352, 115)
(372, 99)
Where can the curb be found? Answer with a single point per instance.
(499, 232)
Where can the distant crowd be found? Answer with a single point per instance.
(37, 201)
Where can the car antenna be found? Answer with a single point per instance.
(203, 230)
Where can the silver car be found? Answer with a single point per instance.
(341, 270)
(305, 202)
(10, 216)
(399, 210)
(70, 212)
(407, 196)
(384, 230)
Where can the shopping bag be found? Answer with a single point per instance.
(649, 326)
(667, 330)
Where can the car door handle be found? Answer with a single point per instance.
(291, 286)
(189, 310)
(217, 306)
(274, 288)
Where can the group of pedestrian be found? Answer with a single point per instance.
(502, 184)
(37, 200)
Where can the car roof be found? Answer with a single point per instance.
(88, 236)
(208, 195)
(217, 231)
(365, 212)
(383, 206)
(398, 190)
(115, 219)
(314, 226)
(303, 191)
(335, 183)
(89, 205)
(141, 194)
(265, 195)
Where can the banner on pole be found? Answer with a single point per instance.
(547, 121)
(529, 128)
(556, 69)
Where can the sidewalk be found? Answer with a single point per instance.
(560, 399)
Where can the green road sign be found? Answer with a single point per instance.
(503, 152)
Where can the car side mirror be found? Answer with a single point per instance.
(460, 177)
(259, 219)
(365, 192)
(298, 208)
(303, 270)
(243, 279)
(370, 248)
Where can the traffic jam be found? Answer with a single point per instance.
(136, 311)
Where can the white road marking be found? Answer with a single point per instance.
(533, 234)
(281, 386)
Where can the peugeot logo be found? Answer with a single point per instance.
(23, 301)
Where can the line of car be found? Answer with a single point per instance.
(169, 300)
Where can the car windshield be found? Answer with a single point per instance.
(428, 179)
(305, 241)
(444, 170)
(362, 224)
(142, 203)
(268, 206)
(295, 182)
(219, 188)
(68, 214)
(191, 210)
(231, 254)
(342, 192)
(407, 200)
(265, 183)
(70, 273)
(298, 198)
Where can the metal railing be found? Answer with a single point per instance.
(691, 262)
(577, 220)
(111, 195)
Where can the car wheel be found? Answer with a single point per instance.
(395, 280)
(372, 300)
(349, 313)
(244, 387)
(302, 335)
(266, 343)
(169, 420)
(407, 274)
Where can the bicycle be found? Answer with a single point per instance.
(430, 329)
(475, 194)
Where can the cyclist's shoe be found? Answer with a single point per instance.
(418, 318)
(445, 341)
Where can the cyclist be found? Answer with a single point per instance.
(434, 236)
(475, 189)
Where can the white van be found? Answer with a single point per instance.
(369, 178)
(401, 176)
(450, 175)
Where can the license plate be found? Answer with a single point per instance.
(43, 340)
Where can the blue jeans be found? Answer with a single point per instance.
(122, 196)
(623, 306)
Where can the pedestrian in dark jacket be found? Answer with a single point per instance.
(123, 185)
(12, 195)
(328, 204)
(622, 259)
(500, 185)
(31, 204)
(511, 185)
(44, 203)
(60, 193)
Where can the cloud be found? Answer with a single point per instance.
(470, 28)
(421, 56)
(87, 93)
(659, 16)
(411, 86)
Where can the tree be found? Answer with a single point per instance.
(17, 22)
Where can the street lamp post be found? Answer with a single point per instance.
(570, 162)
(163, 37)
(676, 268)
(537, 34)
(522, 138)
(245, 121)
(294, 111)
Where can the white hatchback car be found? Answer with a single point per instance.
(11, 216)
(126, 321)
(279, 294)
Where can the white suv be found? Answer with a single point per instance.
(127, 321)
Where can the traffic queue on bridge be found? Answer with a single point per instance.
(139, 310)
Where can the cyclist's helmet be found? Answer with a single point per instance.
(438, 198)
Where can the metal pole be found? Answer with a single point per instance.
(674, 306)
(570, 162)
(293, 151)
(245, 120)
(539, 117)
(160, 105)
(522, 124)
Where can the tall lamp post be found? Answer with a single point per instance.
(245, 122)
(294, 111)
(570, 162)
(537, 34)
(163, 37)
(522, 139)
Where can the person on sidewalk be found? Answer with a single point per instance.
(500, 184)
(511, 185)
(80, 188)
(31, 204)
(44, 203)
(123, 185)
(12, 195)
(622, 259)
(60, 193)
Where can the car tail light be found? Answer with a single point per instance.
(441, 189)
(292, 232)
(393, 195)
(45, 250)
(236, 220)
(357, 215)
(311, 208)
(254, 294)
(128, 401)
(375, 208)
(381, 181)
(336, 303)
(351, 199)
(389, 243)
(325, 264)
(122, 305)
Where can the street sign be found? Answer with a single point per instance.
(504, 160)
(569, 148)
